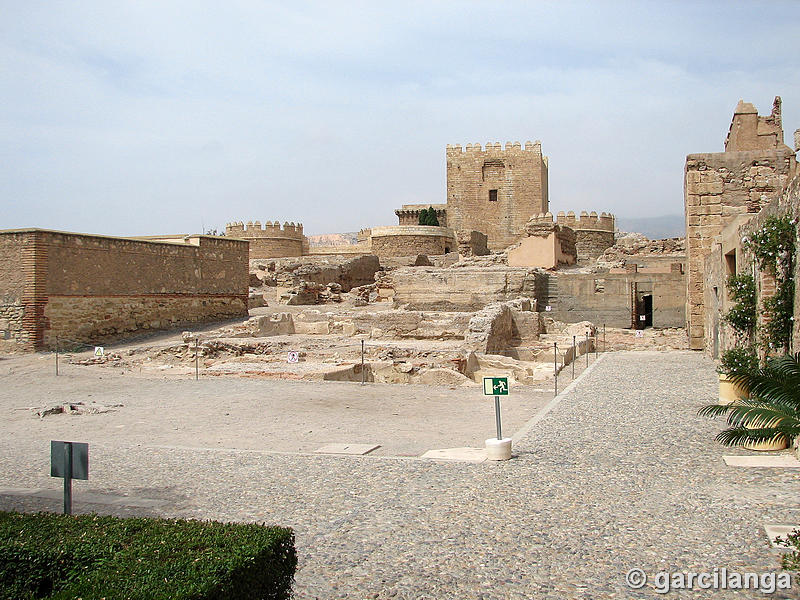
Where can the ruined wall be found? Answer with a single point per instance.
(593, 233)
(718, 187)
(87, 288)
(606, 297)
(408, 214)
(471, 243)
(748, 131)
(271, 240)
(460, 288)
(547, 246)
(496, 190)
(411, 240)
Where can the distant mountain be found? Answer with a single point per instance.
(333, 239)
(655, 228)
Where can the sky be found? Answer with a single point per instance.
(140, 118)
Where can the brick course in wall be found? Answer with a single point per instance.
(88, 288)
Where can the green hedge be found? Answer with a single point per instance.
(61, 557)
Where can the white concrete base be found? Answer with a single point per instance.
(354, 449)
(786, 461)
(498, 449)
(473, 455)
(774, 531)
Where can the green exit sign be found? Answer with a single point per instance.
(495, 386)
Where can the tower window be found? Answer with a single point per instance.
(492, 195)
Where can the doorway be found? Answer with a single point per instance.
(643, 314)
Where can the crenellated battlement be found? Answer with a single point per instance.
(495, 148)
(586, 221)
(270, 229)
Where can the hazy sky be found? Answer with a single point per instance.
(133, 118)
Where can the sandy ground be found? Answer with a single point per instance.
(250, 413)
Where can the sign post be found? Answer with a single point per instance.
(500, 447)
(69, 460)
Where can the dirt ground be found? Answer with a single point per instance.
(159, 409)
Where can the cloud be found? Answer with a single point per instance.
(144, 117)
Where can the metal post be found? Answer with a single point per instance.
(595, 343)
(604, 339)
(587, 348)
(555, 366)
(362, 362)
(56, 356)
(196, 360)
(68, 478)
(497, 417)
(573, 357)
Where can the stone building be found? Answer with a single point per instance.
(719, 187)
(728, 257)
(495, 190)
(89, 288)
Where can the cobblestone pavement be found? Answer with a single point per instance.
(621, 473)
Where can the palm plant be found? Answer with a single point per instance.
(771, 412)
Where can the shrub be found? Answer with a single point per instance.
(738, 360)
(772, 410)
(427, 216)
(62, 557)
(742, 315)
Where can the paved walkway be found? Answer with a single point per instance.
(621, 473)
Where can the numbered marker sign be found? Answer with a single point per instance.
(548, 308)
(639, 333)
(495, 386)
(99, 351)
(293, 356)
(642, 317)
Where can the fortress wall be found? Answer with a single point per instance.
(88, 288)
(271, 240)
(387, 242)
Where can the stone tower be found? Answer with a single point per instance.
(495, 190)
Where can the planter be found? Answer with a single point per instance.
(778, 443)
(729, 391)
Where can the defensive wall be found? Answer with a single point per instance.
(271, 240)
(496, 189)
(91, 288)
(593, 233)
(753, 170)
(408, 240)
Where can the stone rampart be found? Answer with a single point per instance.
(407, 240)
(271, 240)
(593, 233)
(89, 288)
